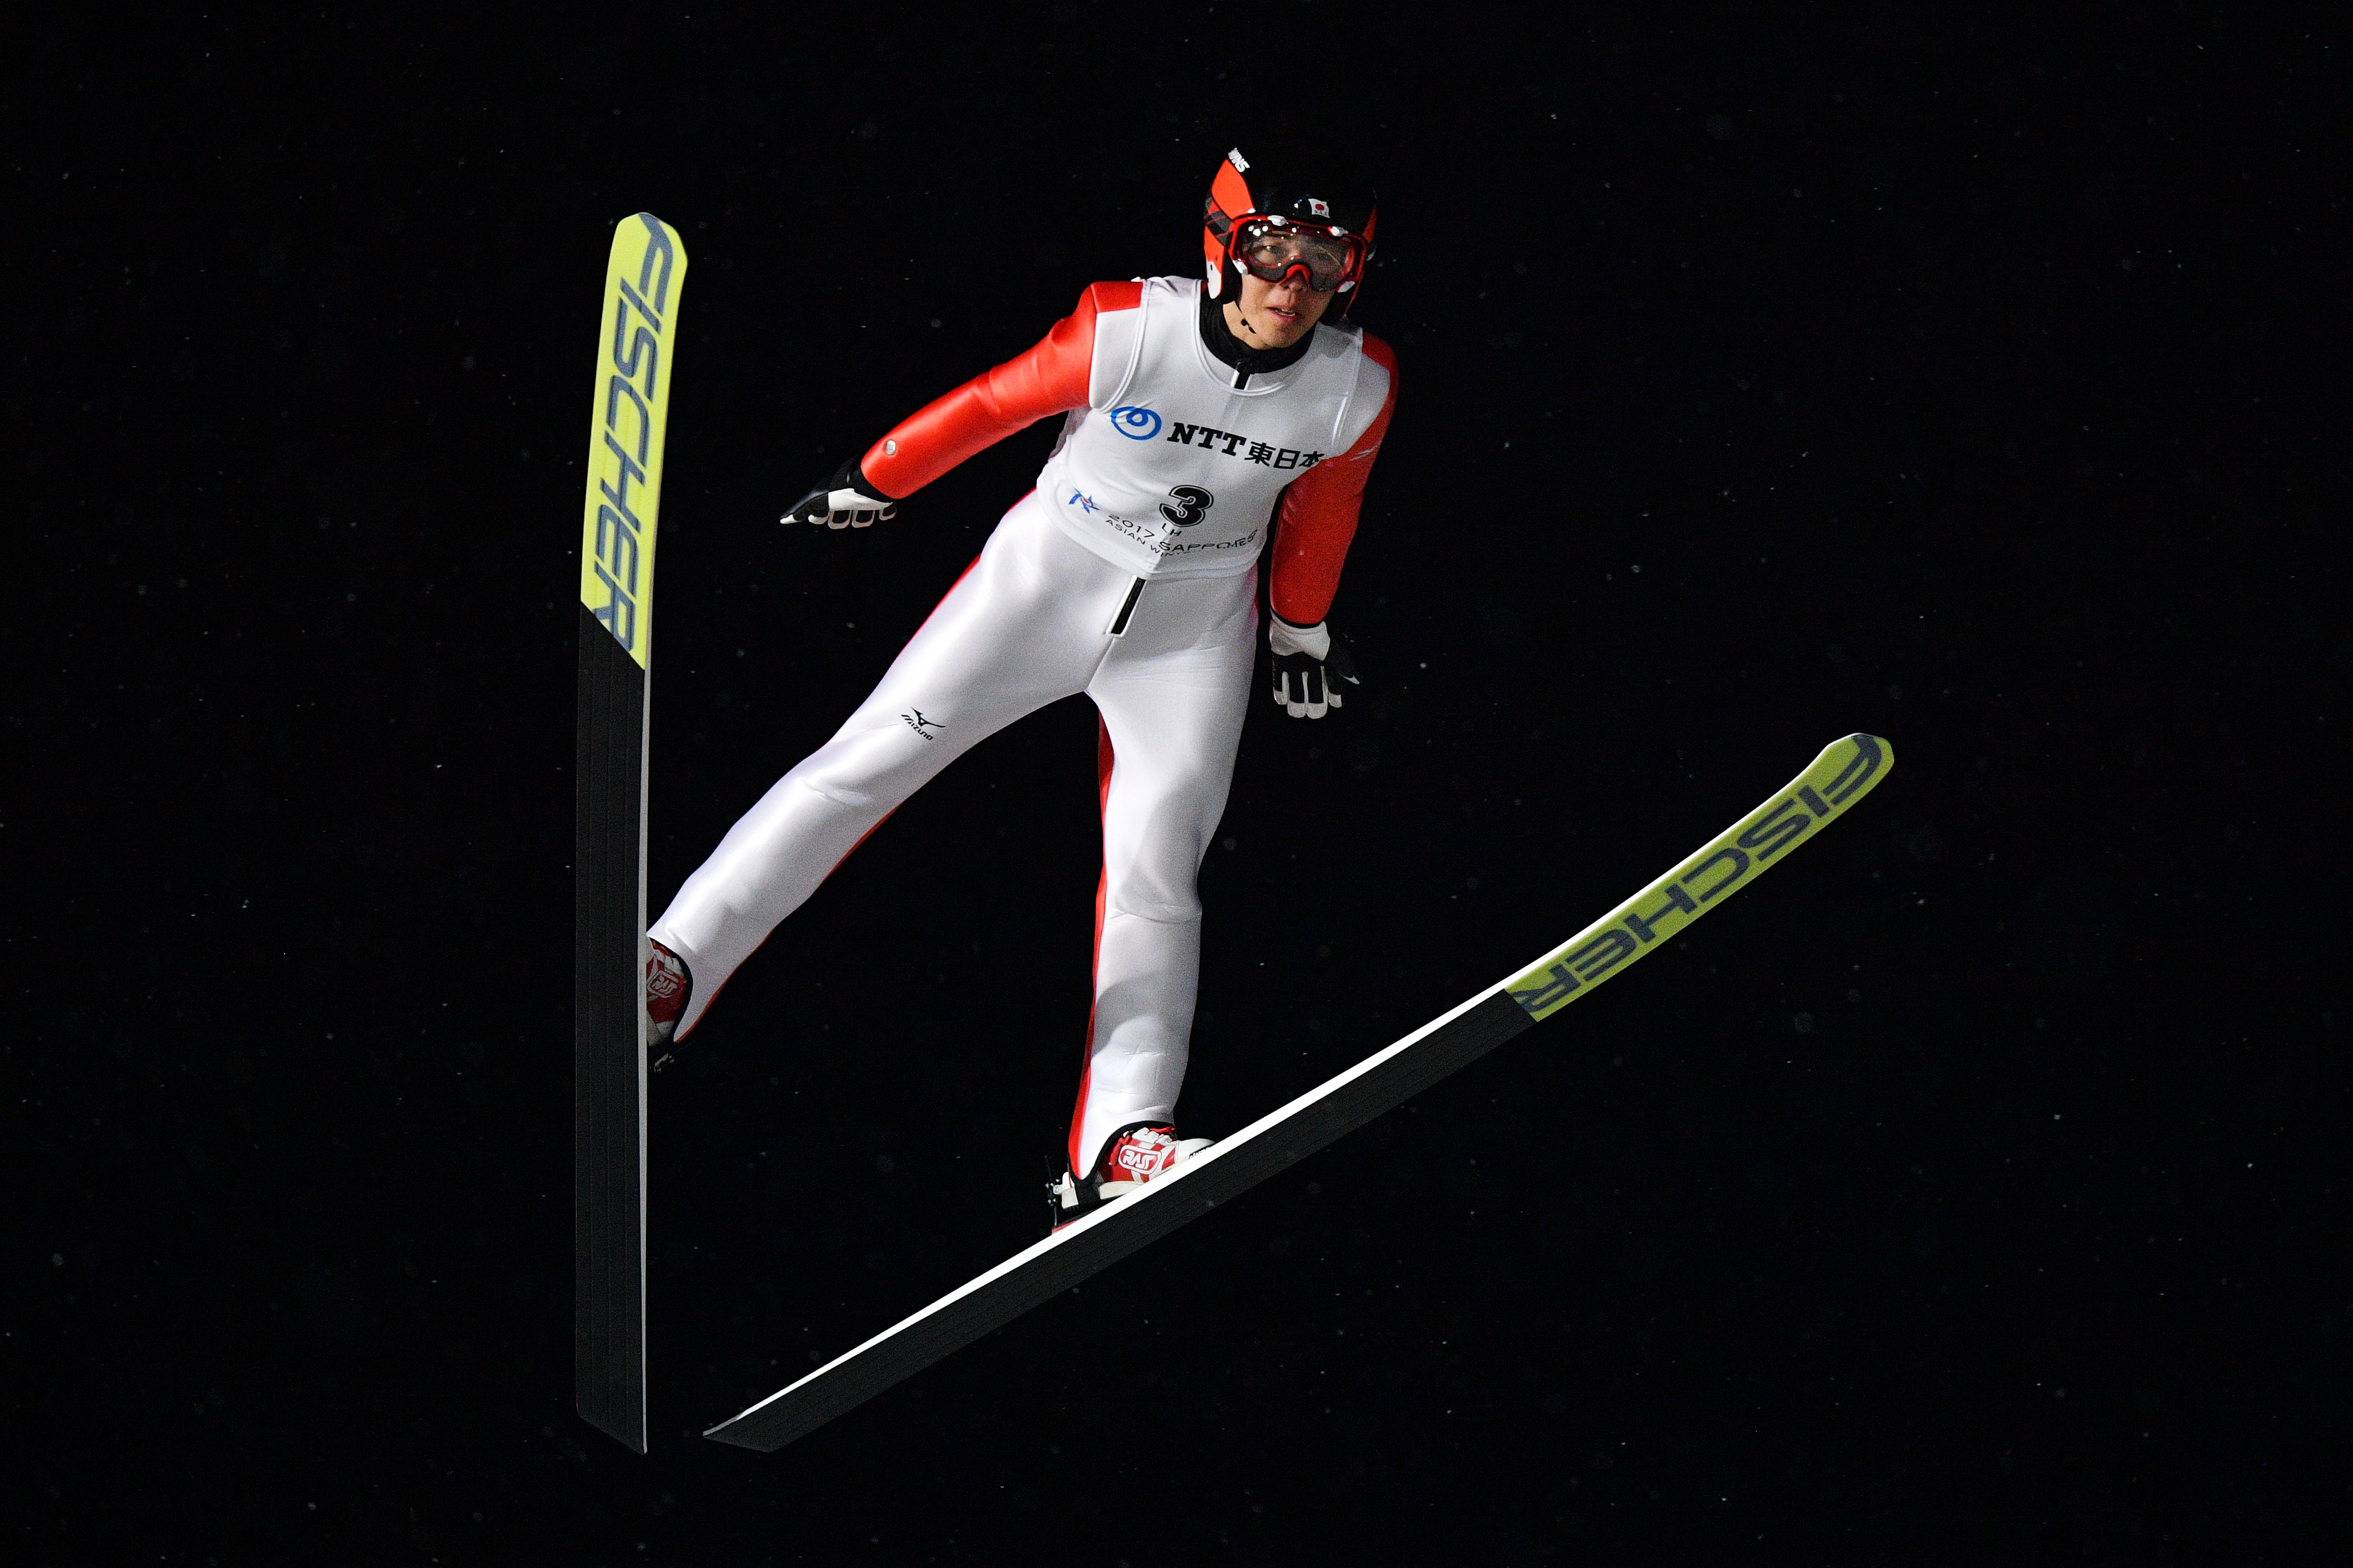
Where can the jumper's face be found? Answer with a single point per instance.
(1275, 315)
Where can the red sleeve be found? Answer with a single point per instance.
(1051, 378)
(1319, 514)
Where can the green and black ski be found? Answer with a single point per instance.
(634, 338)
(1845, 773)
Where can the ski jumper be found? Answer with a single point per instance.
(1129, 573)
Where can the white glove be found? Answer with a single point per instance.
(1310, 664)
(846, 500)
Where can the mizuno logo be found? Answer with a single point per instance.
(915, 722)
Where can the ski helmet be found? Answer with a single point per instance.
(1277, 216)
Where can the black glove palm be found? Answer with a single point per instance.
(1310, 666)
(846, 500)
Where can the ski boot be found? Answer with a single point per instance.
(668, 987)
(1135, 1155)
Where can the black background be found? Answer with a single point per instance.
(1967, 1188)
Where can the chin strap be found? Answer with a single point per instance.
(1246, 358)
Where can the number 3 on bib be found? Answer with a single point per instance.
(1186, 504)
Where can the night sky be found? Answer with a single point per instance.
(1969, 1189)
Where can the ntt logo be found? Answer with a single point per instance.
(1136, 424)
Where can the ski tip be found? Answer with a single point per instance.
(1849, 768)
(1877, 748)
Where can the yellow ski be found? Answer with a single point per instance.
(634, 338)
(1843, 774)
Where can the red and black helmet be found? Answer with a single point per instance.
(1296, 216)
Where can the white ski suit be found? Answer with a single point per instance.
(1130, 573)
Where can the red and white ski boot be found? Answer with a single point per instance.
(1135, 1155)
(668, 986)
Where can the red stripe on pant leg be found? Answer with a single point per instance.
(936, 608)
(857, 847)
(879, 821)
(771, 929)
(1102, 766)
(1094, 964)
(954, 585)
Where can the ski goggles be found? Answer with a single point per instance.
(1272, 248)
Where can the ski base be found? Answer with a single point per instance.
(608, 1131)
(636, 333)
(1840, 775)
